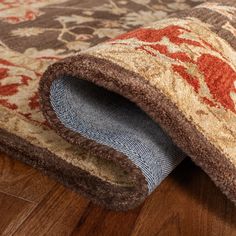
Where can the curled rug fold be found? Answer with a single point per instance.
(125, 100)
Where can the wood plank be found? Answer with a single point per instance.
(187, 203)
(23, 181)
(13, 212)
(56, 215)
(99, 221)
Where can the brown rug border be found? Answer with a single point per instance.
(103, 193)
(158, 106)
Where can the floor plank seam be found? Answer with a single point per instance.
(37, 205)
(15, 196)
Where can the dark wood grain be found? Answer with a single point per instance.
(107, 222)
(13, 211)
(23, 181)
(186, 203)
(57, 214)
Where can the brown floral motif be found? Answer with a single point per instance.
(82, 24)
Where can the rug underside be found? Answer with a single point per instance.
(111, 120)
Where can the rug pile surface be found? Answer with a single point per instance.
(176, 77)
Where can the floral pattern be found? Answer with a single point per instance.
(76, 27)
(17, 11)
(84, 24)
(216, 89)
(190, 64)
(19, 81)
(177, 56)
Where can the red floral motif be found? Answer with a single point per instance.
(25, 79)
(29, 15)
(220, 78)
(13, 11)
(5, 62)
(12, 88)
(18, 86)
(19, 82)
(218, 75)
(192, 80)
(6, 104)
(9, 89)
(34, 101)
(173, 32)
(3, 73)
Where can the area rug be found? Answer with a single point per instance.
(123, 110)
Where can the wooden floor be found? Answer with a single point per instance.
(186, 203)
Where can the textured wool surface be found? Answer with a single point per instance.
(169, 69)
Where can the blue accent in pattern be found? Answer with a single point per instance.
(112, 120)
